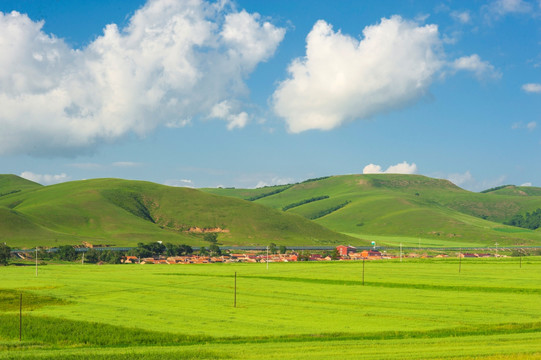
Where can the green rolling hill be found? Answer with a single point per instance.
(409, 209)
(122, 213)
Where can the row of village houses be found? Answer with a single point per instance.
(345, 252)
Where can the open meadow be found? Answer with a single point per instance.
(415, 309)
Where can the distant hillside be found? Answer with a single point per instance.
(123, 213)
(10, 184)
(515, 190)
(393, 208)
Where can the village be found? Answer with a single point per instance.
(341, 253)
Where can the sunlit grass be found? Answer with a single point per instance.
(405, 310)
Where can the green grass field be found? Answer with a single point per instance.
(415, 309)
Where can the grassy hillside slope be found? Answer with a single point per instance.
(123, 213)
(10, 184)
(405, 208)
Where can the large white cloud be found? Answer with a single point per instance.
(174, 61)
(341, 79)
(400, 168)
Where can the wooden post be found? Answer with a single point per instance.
(459, 260)
(21, 317)
(363, 271)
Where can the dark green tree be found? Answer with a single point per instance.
(203, 251)
(283, 249)
(5, 254)
(92, 256)
(211, 237)
(185, 249)
(112, 257)
(215, 250)
(66, 253)
(272, 248)
(335, 255)
(172, 250)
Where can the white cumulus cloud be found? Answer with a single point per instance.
(341, 79)
(532, 88)
(401, 168)
(45, 179)
(174, 61)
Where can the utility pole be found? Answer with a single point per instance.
(235, 299)
(496, 249)
(267, 257)
(363, 271)
(83, 259)
(459, 260)
(36, 261)
(21, 317)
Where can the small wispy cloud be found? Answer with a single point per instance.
(532, 88)
(126, 164)
(460, 179)
(45, 179)
(500, 8)
(86, 166)
(176, 124)
(179, 183)
(528, 126)
(481, 69)
(463, 17)
(274, 181)
(467, 181)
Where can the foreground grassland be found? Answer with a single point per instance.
(405, 310)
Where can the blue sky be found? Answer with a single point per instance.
(253, 93)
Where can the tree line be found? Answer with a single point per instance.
(528, 221)
(305, 201)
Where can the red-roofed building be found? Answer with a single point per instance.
(345, 250)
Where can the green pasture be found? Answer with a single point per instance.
(414, 309)
(409, 206)
(123, 213)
